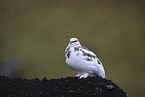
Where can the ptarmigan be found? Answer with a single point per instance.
(83, 60)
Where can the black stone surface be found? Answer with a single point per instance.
(63, 87)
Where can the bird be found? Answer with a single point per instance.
(83, 60)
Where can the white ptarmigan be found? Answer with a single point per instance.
(83, 60)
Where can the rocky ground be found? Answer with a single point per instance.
(63, 87)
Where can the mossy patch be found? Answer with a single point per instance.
(89, 59)
(89, 55)
(76, 49)
(99, 62)
(68, 54)
(78, 54)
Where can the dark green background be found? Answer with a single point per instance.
(36, 32)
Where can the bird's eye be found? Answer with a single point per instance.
(73, 41)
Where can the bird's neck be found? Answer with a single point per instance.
(74, 45)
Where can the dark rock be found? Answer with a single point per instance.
(63, 87)
(109, 87)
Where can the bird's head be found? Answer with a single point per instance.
(74, 42)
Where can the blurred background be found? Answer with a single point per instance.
(34, 34)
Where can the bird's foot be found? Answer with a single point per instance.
(77, 75)
(85, 75)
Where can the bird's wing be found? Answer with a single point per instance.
(90, 56)
(88, 52)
